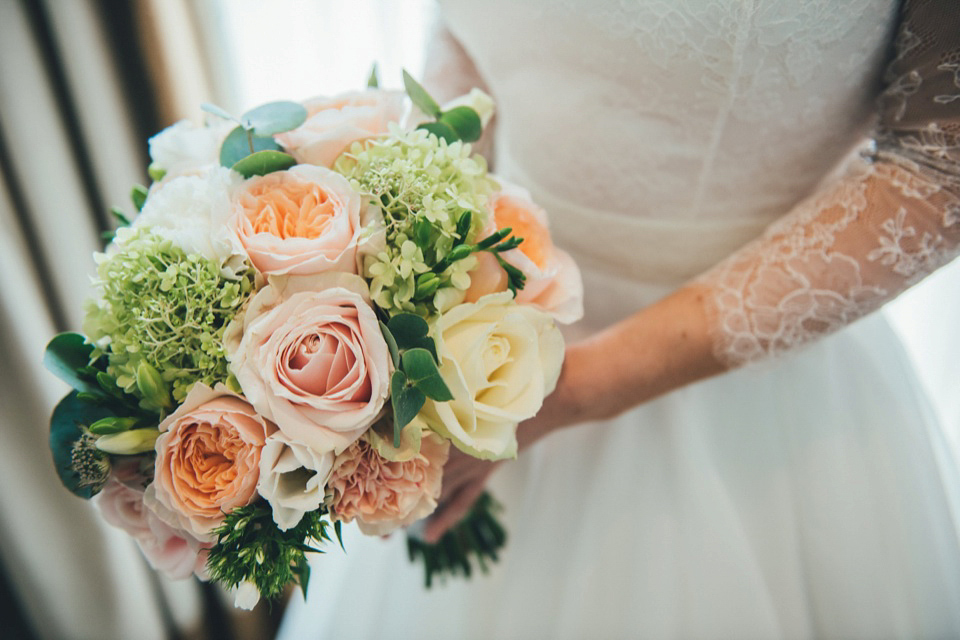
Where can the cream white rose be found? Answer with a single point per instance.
(500, 360)
(185, 148)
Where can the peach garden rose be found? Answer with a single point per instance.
(208, 460)
(309, 355)
(553, 280)
(333, 124)
(302, 221)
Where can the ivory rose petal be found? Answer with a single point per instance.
(310, 356)
(333, 124)
(500, 360)
(208, 459)
(553, 283)
(293, 479)
(302, 221)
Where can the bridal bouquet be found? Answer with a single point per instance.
(312, 304)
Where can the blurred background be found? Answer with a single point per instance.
(83, 84)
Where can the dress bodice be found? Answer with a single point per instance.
(668, 119)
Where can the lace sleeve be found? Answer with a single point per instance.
(859, 242)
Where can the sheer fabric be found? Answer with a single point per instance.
(860, 242)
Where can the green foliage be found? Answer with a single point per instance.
(263, 162)
(251, 548)
(407, 401)
(464, 121)
(82, 469)
(241, 143)
(423, 187)
(478, 537)
(160, 317)
(373, 80)
(422, 373)
(440, 129)
(68, 356)
(420, 97)
(138, 195)
(274, 117)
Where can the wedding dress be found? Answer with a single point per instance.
(808, 494)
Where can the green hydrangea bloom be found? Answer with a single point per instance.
(423, 186)
(162, 311)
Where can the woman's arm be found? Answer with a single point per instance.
(837, 256)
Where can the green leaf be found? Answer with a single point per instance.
(120, 216)
(110, 424)
(408, 329)
(65, 430)
(422, 372)
(420, 97)
(275, 117)
(441, 130)
(263, 162)
(337, 529)
(407, 402)
(465, 121)
(463, 227)
(391, 345)
(422, 230)
(139, 196)
(237, 146)
(217, 111)
(67, 356)
(156, 172)
(373, 80)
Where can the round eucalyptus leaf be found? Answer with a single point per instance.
(465, 121)
(240, 143)
(263, 162)
(65, 429)
(275, 117)
(442, 130)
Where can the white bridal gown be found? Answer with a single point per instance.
(806, 495)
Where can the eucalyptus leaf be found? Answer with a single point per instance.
(407, 402)
(65, 429)
(373, 80)
(236, 146)
(274, 117)
(67, 356)
(441, 130)
(263, 162)
(391, 345)
(465, 121)
(422, 372)
(408, 329)
(420, 97)
(217, 111)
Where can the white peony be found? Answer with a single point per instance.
(500, 360)
(192, 212)
(293, 478)
(185, 148)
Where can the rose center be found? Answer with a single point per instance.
(289, 209)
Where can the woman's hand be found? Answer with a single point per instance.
(464, 478)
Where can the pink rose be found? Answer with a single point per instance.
(301, 221)
(384, 495)
(172, 551)
(310, 356)
(208, 460)
(333, 124)
(553, 282)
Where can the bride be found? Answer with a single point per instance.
(686, 152)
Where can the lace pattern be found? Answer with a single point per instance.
(852, 247)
